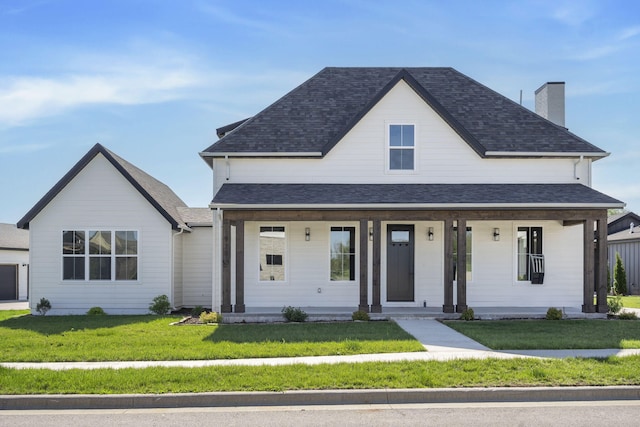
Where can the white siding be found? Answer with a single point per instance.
(99, 196)
(197, 271)
(442, 156)
(178, 262)
(21, 259)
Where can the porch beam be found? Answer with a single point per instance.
(588, 267)
(225, 307)
(239, 307)
(376, 307)
(601, 262)
(461, 267)
(447, 307)
(364, 266)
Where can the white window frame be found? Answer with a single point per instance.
(356, 249)
(285, 254)
(87, 256)
(529, 226)
(389, 147)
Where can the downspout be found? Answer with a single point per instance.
(217, 265)
(173, 262)
(228, 163)
(575, 168)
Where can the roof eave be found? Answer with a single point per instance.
(426, 206)
(592, 155)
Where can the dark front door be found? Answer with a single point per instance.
(400, 264)
(8, 282)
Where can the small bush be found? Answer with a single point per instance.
(96, 311)
(294, 314)
(554, 314)
(360, 315)
(467, 315)
(43, 306)
(211, 317)
(160, 305)
(615, 304)
(627, 315)
(197, 310)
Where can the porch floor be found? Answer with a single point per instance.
(318, 314)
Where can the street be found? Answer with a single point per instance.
(601, 413)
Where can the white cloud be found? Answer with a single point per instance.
(22, 148)
(628, 33)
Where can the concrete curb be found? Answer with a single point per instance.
(319, 397)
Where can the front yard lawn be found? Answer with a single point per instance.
(550, 334)
(111, 338)
(631, 301)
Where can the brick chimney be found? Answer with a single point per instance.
(550, 102)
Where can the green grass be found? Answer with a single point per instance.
(549, 334)
(456, 373)
(112, 338)
(631, 301)
(6, 314)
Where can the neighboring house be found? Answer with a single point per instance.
(14, 263)
(370, 188)
(624, 239)
(109, 235)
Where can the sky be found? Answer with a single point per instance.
(152, 80)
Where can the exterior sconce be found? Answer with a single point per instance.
(370, 233)
(496, 234)
(430, 233)
(307, 234)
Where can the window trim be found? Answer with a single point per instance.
(468, 252)
(285, 253)
(517, 253)
(389, 147)
(355, 255)
(87, 255)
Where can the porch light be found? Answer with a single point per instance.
(370, 233)
(496, 234)
(307, 234)
(430, 233)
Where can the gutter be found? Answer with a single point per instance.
(426, 206)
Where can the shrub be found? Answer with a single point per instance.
(619, 276)
(615, 304)
(43, 306)
(467, 315)
(211, 317)
(95, 311)
(627, 315)
(553, 314)
(360, 315)
(160, 305)
(294, 314)
(197, 310)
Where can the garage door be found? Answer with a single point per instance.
(8, 282)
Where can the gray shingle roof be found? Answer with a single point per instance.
(161, 197)
(625, 235)
(194, 217)
(313, 117)
(419, 194)
(13, 238)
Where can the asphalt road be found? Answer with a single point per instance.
(600, 413)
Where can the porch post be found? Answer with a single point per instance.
(225, 307)
(447, 307)
(364, 265)
(239, 308)
(588, 265)
(377, 246)
(601, 261)
(461, 266)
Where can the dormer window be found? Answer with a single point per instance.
(401, 147)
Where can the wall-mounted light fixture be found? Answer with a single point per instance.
(307, 234)
(430, 233)
(496, 234)
(370, 233)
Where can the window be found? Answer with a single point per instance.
(529, 243)
(89, 255)
(401, 147)
(272, 253)
(343, 253)
(469, 253)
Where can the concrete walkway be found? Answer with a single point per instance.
(441, 342)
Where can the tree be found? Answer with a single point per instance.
(620, 276)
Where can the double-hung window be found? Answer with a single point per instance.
(343, 253)
(272, 253)
(100, 255)
(529, 243)
(469, 253)
(401, 147)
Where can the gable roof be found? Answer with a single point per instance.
(159, 195)
(315, 116)
(13, 238)
(624, 235)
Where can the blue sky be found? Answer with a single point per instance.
(152, 80)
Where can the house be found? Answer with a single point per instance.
(369, 188)
(14, 263)
(624, 239)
